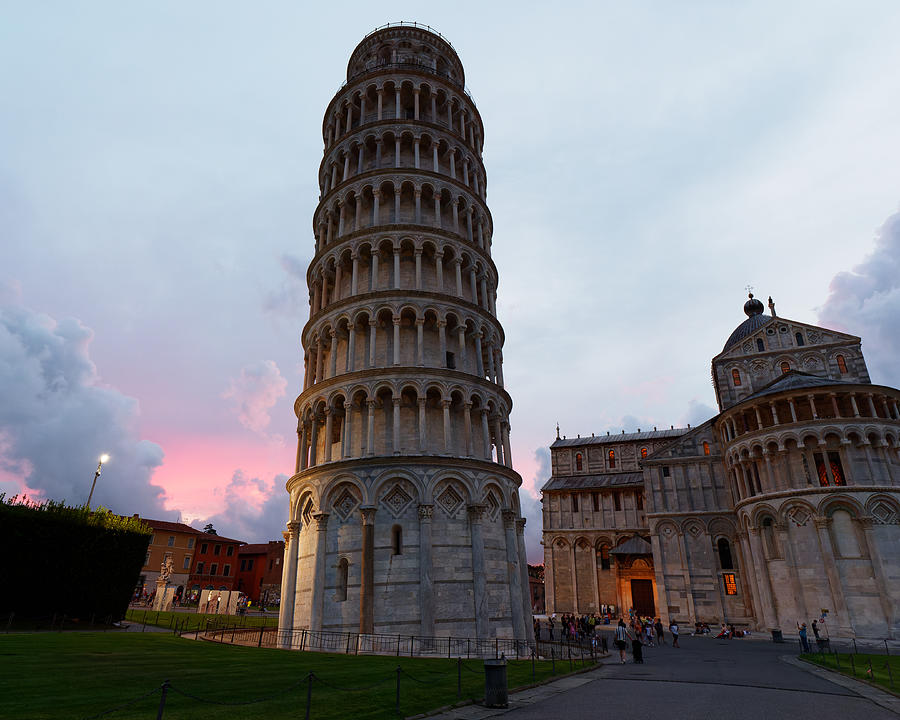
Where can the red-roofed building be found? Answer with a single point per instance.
(215, 563)
(170, 539)
(259, 571)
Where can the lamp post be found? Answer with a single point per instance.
(103, 458)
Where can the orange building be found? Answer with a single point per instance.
(215, 563)
(170, 539)
(259, 571)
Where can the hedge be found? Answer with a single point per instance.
(67, 560)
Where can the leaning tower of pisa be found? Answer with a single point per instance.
(405, 514)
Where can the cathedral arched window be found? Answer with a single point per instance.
(724, 549)
(785, 367)
(612, 458)
(736, 377)
(760, 345)
(643, 453)
(842, 364)
(396, 540)
(799, 338)
(343, 571)
(705, 448)
(604, 557)
(579, 461)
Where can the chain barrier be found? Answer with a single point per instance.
(242, 702)
(124, 705)
(362, 688)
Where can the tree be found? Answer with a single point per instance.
(209, 529)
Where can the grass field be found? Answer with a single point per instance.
(885, 670)
(193, 620)
(56, 676)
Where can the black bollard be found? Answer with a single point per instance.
(162, 700)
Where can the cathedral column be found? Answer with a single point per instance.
(499, 367)
(479, 363)
(373, 324)
(793, 410)
(380, 93)
(461, 334)
(507, 449)
(549, 582)
(376, 207)
(370, 431)
(338, 281)
(288, 580)
(416, 153)
(299, 447)
(320, 361)
(791, 563)
(354, 277)
(834, 578)
(473, 284)
(758, 560)
(351, 348)
(485, 303)
(317, 599)
(513, 574)
(434, 158)
(301, 450)
(362, 110)
(662, 600)
(418, 268)
(854, 405)
(367, 580)
(426, 583)
(456, 218)
(498, 440)
(526, 587)
(685, 573)
(439, 269)
(357, 217)
(397, 157)
(442, 340)
(373, 271)
(332, 360)
(396, 268)
(329, 429)
(457, 266)
(420, 342)
(453, 164)
(767, 456)
(479, 583)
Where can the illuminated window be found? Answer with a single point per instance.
(736, 377)
(343, 572)
(579, 464)
(785, 367)
(724, 548)
(706, 448)
(842, 364)
(799, 338)
(760, 345)
(730, 583)
(396, 540)
(643, 453)
(612, 458)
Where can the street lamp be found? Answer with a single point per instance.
(103, 458)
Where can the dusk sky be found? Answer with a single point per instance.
(646, 161)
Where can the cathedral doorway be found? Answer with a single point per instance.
(642, 597)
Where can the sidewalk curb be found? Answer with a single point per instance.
(521, 696)
(863, 689)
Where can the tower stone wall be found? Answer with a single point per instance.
(405, 514)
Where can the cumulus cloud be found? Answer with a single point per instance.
(255, 510)
(698, 413)
(531, 507)
(57, 418)
(255, 392)
(865, 301)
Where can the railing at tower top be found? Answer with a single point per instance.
(402, 23)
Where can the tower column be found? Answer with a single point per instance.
(316, 607)
(526, 587)
(479, 584)
(370, 433)
(513, 574)
(367, 581)
(288, 581)
(426, 583)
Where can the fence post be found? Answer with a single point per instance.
(852, 665)
(398, 646)
(398, 689)
(887, 650)
(308, 693)
(412, 639)
(261, 630)
(162, 700)
(553, 659)
(532, 666)
(496, 648)
(887, 664)
(458, 678)
(855, 651)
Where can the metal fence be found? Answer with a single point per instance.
(867, 659)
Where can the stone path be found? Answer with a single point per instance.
(705, 678)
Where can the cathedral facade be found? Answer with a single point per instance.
(782, 508)
(404, 505)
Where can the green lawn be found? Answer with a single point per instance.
(885, 670)
(194, 620)
(79, 675)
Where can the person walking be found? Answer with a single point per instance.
(804, 641)
(621, 639)
(815, 629)
(660, 635)
(673, 628)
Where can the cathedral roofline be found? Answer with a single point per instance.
(599, 480)
(621, 437)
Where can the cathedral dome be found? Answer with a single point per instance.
(755, 320)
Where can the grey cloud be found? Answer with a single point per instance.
(57, 417)
(255, 510)
(531, 508)
(865, 301)
(292, 296)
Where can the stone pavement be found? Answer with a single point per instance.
(705, 678)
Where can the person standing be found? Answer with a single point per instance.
(815, 629)
(660, 635)
(804, 640)
(621, 639)
(550, 624)
(673, 628)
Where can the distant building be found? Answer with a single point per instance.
(782, 508)
(270, 587)
(170, 539)
(536, 588)
(259, 571)
(215, 563)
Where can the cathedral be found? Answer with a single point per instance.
(782, 508)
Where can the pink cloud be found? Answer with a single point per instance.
(255, 392)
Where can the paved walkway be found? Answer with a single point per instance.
(705, 678)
